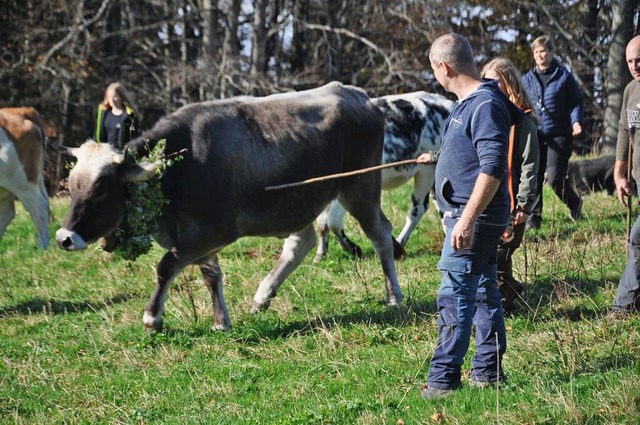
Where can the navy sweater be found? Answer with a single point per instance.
(475, 140)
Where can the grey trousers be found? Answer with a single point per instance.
(628, 296)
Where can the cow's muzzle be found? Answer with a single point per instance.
(70, 241)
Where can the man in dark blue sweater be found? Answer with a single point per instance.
(471, 191)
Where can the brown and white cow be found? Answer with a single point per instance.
(21, 169)
(216, 193)
(413, 125)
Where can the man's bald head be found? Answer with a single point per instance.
(454, 50)
(633, 57)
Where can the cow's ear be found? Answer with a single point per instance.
(137, 172)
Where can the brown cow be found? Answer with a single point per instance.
(21, 169)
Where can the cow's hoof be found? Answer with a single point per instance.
(156, 327)
(152, 323)
(221, 327)
(258, 307)
(398, 250)
(357, 251)
(394, 302)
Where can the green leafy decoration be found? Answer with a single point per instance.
(143, 207)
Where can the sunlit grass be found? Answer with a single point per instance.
(327, 351)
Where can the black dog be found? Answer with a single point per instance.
(592, 175)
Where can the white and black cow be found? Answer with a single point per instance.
(413, 125)
(22, 169)
(216, 193)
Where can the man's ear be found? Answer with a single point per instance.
(448, 70)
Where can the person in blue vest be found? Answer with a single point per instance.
(116, 122)
(558, 104)
(471, 191)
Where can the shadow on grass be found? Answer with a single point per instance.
(265, 326)
(39, 305)
(552, 296)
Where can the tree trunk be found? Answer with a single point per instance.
(299, 41)
(230, 49)
(258, 44)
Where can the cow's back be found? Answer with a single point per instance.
(25, 128)
(236, 148)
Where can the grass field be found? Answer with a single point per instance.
(328, 351)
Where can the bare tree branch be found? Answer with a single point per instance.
(354, 36)
(72, 34)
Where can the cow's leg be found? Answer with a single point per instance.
(7, 209)
(295, 248)
(378, 229)
(212, 273)
(322, 228)
(336, 225)
(423, 181)
(332, 218)
(37, 205)
(169, 267)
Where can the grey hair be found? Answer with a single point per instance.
(454, 50)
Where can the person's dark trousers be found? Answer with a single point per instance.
(469, 295)
(628, 296)
(506, 249)
(555, 153)
(510, 287)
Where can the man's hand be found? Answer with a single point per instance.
(624, 189)
(520, 217)
(623, 186)
(577, 129)
(462, 234)
(426, 158)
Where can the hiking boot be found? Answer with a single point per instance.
(432, 392)
(617, 315)
(509, 286)
(576, 214)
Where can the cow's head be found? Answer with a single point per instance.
(97, 186)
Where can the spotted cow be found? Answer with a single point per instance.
(21, 169)
(233, 150)
(413, 125)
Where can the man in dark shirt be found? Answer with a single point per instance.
(471, 191)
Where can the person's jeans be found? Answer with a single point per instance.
(469, 295)
(628, 296)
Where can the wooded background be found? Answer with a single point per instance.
(60, 55)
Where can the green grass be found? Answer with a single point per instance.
(327, 351)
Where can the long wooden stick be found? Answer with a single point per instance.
(340, 175)
(629, 197)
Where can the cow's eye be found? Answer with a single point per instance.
(100, 190)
